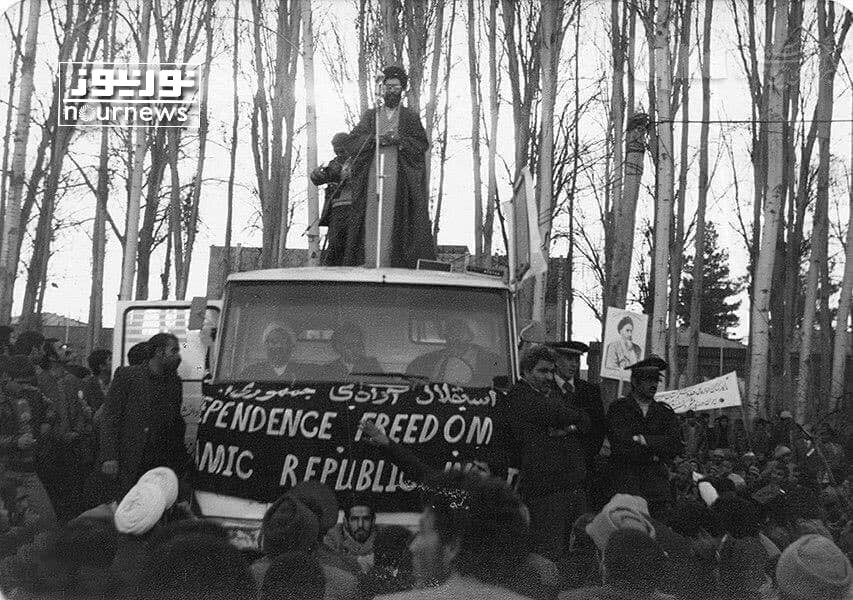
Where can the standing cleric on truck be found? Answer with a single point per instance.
(398, 232)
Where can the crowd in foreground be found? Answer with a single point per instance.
(670, 506)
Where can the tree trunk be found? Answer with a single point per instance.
(392, 40)
(626, 212)
(432, 101)
(235, 120)
(699, 253)
(570, 253)
(132, 223)
(267, 166)
(665, 177)
(617, 111)
(839, 354)
(494, 113)
(10, 110)
(174, 240)
(416, 34)
(474, 85)
(12, 227)
(291, 54)
(551, 24)
(154, 179)
(677, 251)
(448, 65)
(364, 78)
(99, 231)
(182, 277)
(311, 146)
(763, 272)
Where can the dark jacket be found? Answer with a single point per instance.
(25, 412)
(330, 176)
(587, 397)
(637, 469)
(547, 432)
(142, 424)
(93, 394)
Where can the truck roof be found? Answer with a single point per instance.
(364, 275)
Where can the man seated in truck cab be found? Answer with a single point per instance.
(348, 342)
(279, 342)
(460, 362)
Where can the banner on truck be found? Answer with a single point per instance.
(720, 392)
(257, 440)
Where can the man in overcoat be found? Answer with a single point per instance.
(142, 427)
(644, 437)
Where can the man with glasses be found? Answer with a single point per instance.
(644, 437)
(389, 144)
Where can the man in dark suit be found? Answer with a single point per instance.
(142, 427)
(645, 436)
(579, 393)
(584, 396)
(547, 432)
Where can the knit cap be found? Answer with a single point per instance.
(813, 567)
(164, 478)
(622, 512)
(140, 509)
(289, 526)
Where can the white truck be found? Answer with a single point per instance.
(297, 357)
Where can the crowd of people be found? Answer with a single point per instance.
(630, 502)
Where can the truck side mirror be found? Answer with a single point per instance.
(198, 309)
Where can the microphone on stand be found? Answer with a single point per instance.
(379, 89)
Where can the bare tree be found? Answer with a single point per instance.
(665, 176)
(311, 145)
(699, 254)
(839, 358)
(235, 120)
(12, 231)
(140, 148)
(182, 276)
(820, 229)
(494, 114)
(77, 27)
(99, 230)
(474, 88)
(17, 39)
(763, 273)
(432, 100)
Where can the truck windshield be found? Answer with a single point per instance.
(343, 331)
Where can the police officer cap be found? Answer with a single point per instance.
(652, 364)
(569, 347)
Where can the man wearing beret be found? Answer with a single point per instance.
(403, 228)
(644, 437)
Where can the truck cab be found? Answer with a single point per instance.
(302, 355)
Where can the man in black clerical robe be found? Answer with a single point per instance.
(401, 233)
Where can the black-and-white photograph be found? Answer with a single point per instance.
(425, 299)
